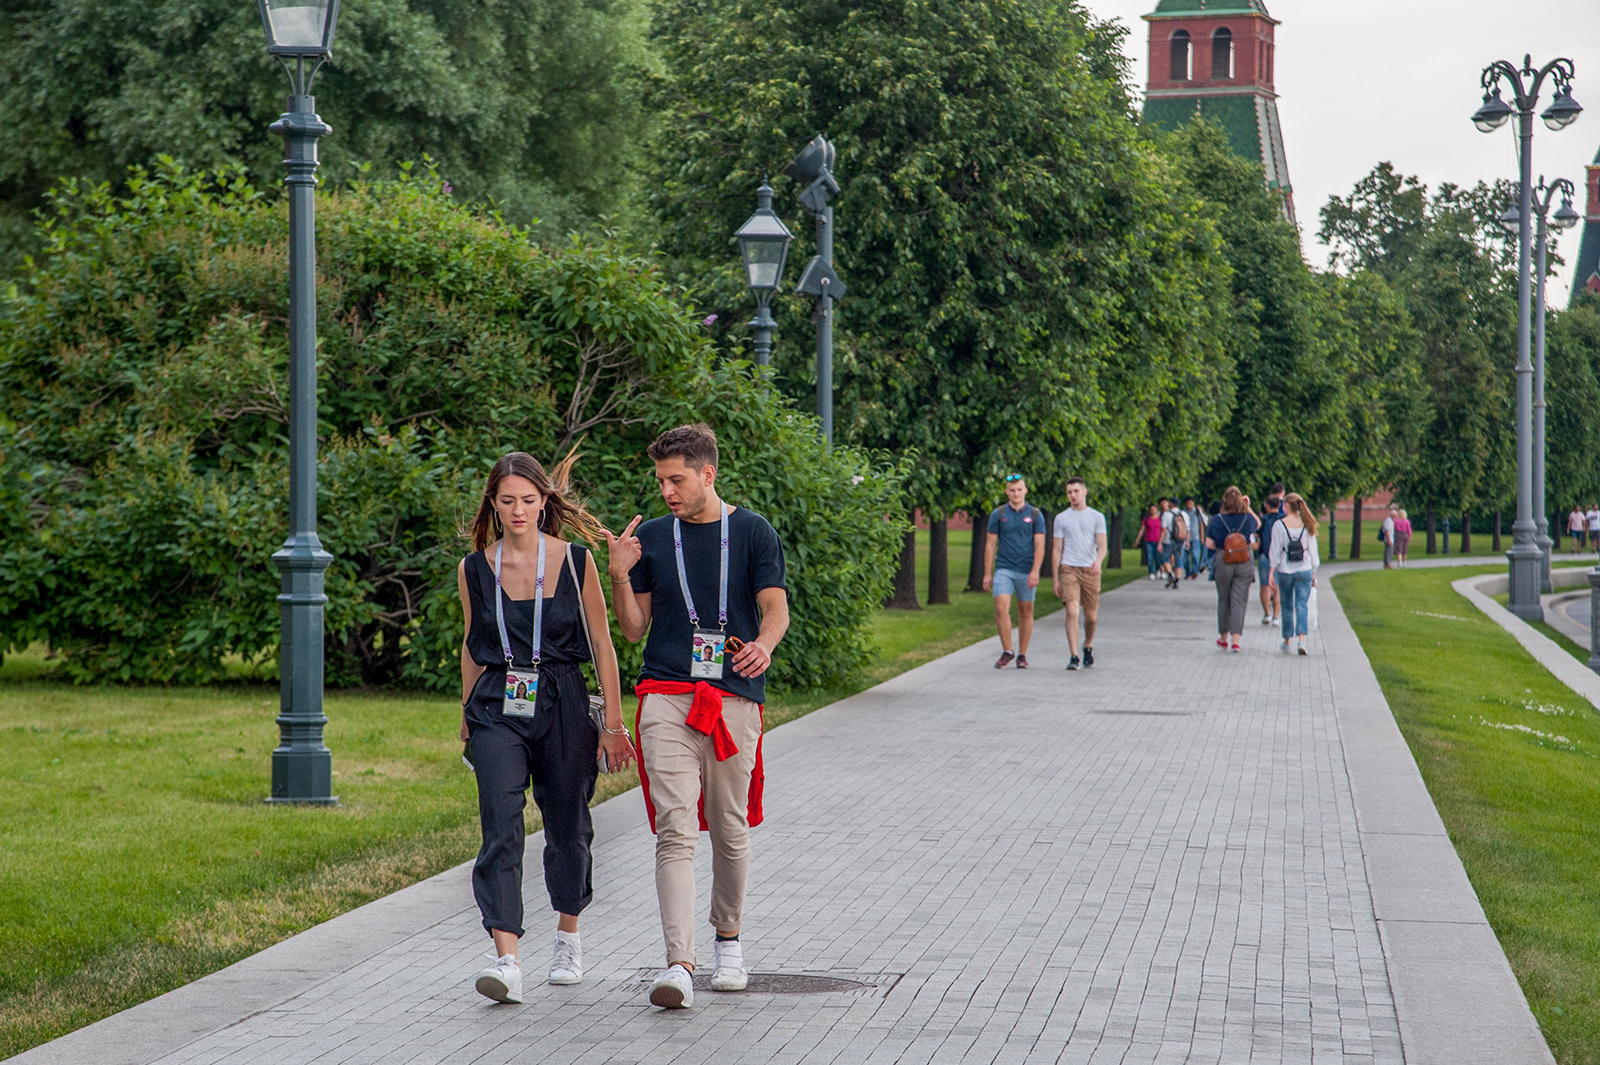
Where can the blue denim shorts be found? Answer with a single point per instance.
(1263, 569)
(1013, 582)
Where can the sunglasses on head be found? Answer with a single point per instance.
(1013, 477)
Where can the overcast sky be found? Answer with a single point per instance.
(1362, 81)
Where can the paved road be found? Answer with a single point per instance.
(1156, 860)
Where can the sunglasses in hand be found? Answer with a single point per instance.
(733, 645)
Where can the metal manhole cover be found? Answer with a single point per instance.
(856, 985)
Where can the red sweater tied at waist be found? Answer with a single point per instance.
(705, 716)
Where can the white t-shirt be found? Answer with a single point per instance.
(1594, 520)
(1075, 531)
(1575, 521)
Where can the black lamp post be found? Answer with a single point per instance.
(764, 242)
(815, 166)
(1525, 556)
(1565, 218)
(300, 34)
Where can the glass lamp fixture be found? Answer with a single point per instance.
(1565, 217)
(1510, 220)
(1493, 114)
(764, 242)
(1563, 110)
(299, 27)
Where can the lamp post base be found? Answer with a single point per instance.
(1594, 613)
(1524, 582)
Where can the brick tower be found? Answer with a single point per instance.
(1586, 269)
(1214, 57)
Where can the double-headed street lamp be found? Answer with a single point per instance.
(814, 166)
(300, 34)
(1525, 556)
(764, 244)
(1564, 218)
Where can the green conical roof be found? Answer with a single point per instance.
(1211, 7)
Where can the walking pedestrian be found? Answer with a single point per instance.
(1150, 539)
(1195, 520)
(1011, 560)
(701, 690)
(1174, 534)
(1271, 514)
(1231, 534)
(525, 706)
(1592, 519)
(1080, 554)
(1386, 535)
(1294, 567)
(1211, 555)
(1576, 527)
(1402, 537)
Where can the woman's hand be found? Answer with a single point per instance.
(617, 748)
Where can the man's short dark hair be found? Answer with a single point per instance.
(1076, 480)
(695, 444)
(1274, 501)
(1277, 490)
(1189, 500)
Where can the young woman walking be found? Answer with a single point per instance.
(1294, 560)
(1150, 539)
(1231, 535)
(525, 704)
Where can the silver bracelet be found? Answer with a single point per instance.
(623, 731)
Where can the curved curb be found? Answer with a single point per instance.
(1549, 654)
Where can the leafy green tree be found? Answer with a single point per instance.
(1027, 287)
(143, 422)
(530, 103)
(1290, 415)
(1572, 390)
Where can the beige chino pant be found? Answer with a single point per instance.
(682, 763)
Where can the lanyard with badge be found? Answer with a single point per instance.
(707, 648)
(522, 685)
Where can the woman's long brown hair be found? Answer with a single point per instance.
(1233, 500)
(563, 509)
(1302, 510)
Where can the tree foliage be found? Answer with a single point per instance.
(1026, 287)
(530, 103)
(143, 423)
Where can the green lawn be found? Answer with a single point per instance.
(139, 854)
(1512, 759)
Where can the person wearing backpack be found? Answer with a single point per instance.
(1175, 534)
(1231, 534)
(1294, 558)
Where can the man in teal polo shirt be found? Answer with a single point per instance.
(1011, 560)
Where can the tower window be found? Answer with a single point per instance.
(1222, 54)
(1180, 56)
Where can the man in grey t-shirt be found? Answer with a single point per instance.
(1011, 560)
(1080, 553)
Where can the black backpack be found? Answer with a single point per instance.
(1295, 551)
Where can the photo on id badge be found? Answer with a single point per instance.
(706, 658)
(522, 692)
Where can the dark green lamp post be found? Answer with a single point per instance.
(814, 166)
(764, 243)
(300, 34)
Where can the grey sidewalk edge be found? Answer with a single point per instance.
(1549, 654)
(1457, 1000)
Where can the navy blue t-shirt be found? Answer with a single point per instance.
(1268, 520)
(1222, 524)
(1016, 530)
(755, 562)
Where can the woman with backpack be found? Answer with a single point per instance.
(1231, 535)
(1294, 558)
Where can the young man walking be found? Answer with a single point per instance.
(1271, 514)
(1011, 560)
(1080, 554)
(1195, 518)
(707, 584)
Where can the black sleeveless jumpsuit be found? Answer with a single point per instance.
(554, 749)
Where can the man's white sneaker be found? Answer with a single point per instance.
(673, 989)
(502, 981)
(729, 973)
(567, 966)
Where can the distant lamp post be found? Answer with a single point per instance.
(814, 166)
(300, 34)
(764, 243)
(1564, 218)
(1525, 557)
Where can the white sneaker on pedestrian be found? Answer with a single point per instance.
(502, 981)
(729, 973)
(673, 989)
(567, 966)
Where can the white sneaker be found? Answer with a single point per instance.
(567, 966)
(502, 981)
(673, 989)
(729, 974)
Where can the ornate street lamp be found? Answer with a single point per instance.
(764, 243)
(814, 166)
(300, 34)
(1526, 559)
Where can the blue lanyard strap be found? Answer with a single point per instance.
(683, 578)
(538, 604)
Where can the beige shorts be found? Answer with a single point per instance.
(1080, 584)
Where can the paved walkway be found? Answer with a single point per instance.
(1181, 855)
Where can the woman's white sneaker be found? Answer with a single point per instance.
(673, 989)
(567, 965)
(502, 981)
(729, 973)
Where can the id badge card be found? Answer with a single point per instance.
(705, 660)
(522, 691)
